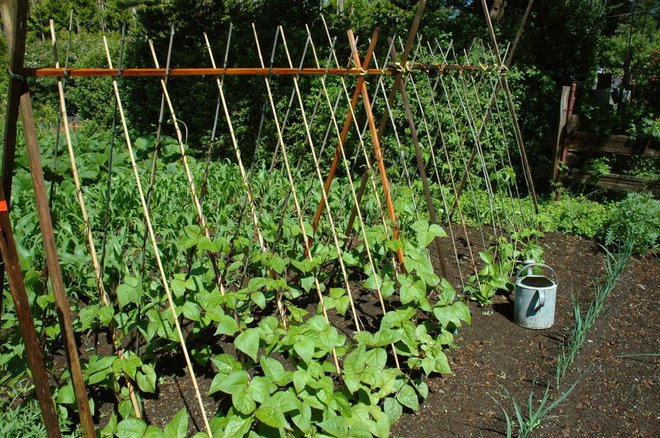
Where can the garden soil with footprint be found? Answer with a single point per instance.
(617, 366)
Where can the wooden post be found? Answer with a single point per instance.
(375, 138)
(53, 264)
(16, 26)
(33, 349)
(15, 21)
(12, 13)
(563, 118)
(569, 113)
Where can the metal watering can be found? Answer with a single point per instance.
(536, 296)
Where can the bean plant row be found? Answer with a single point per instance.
(274, 380)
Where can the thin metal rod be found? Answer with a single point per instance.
(504, 84)
(56, 150)
(439, 133)
(476, 102)
(154, 157)
(460, 144)
(499, 154)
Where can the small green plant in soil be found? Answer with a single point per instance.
(499, 263)
(614, 264)
(529, 417)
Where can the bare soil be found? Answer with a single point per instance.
(617, 367)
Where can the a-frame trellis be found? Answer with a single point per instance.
(405, 87)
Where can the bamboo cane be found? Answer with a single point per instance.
(152, 237)
(333, 229)
(363, 227)
(293, 188)
(370, 173)
(244, 180)
(98, 275)
(189, 175)
(346, 127)
(390, 99)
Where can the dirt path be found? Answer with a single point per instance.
(616, 396)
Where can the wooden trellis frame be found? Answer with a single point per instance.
(14, 15)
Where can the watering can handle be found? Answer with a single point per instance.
(541, 299)
(556, 279)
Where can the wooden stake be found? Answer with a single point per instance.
(375, 138)
(98, 275)
(103, 296)
(390, 100)
(33, 350)
(16, 25)
(12, 13)
(54, 270)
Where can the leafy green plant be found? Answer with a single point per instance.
(499, 263)
(575, 215)
(20, 418)
(636, 220)
(20, 414)
(597, 168)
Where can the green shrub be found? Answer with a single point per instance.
(637, 218)
(575, 215)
